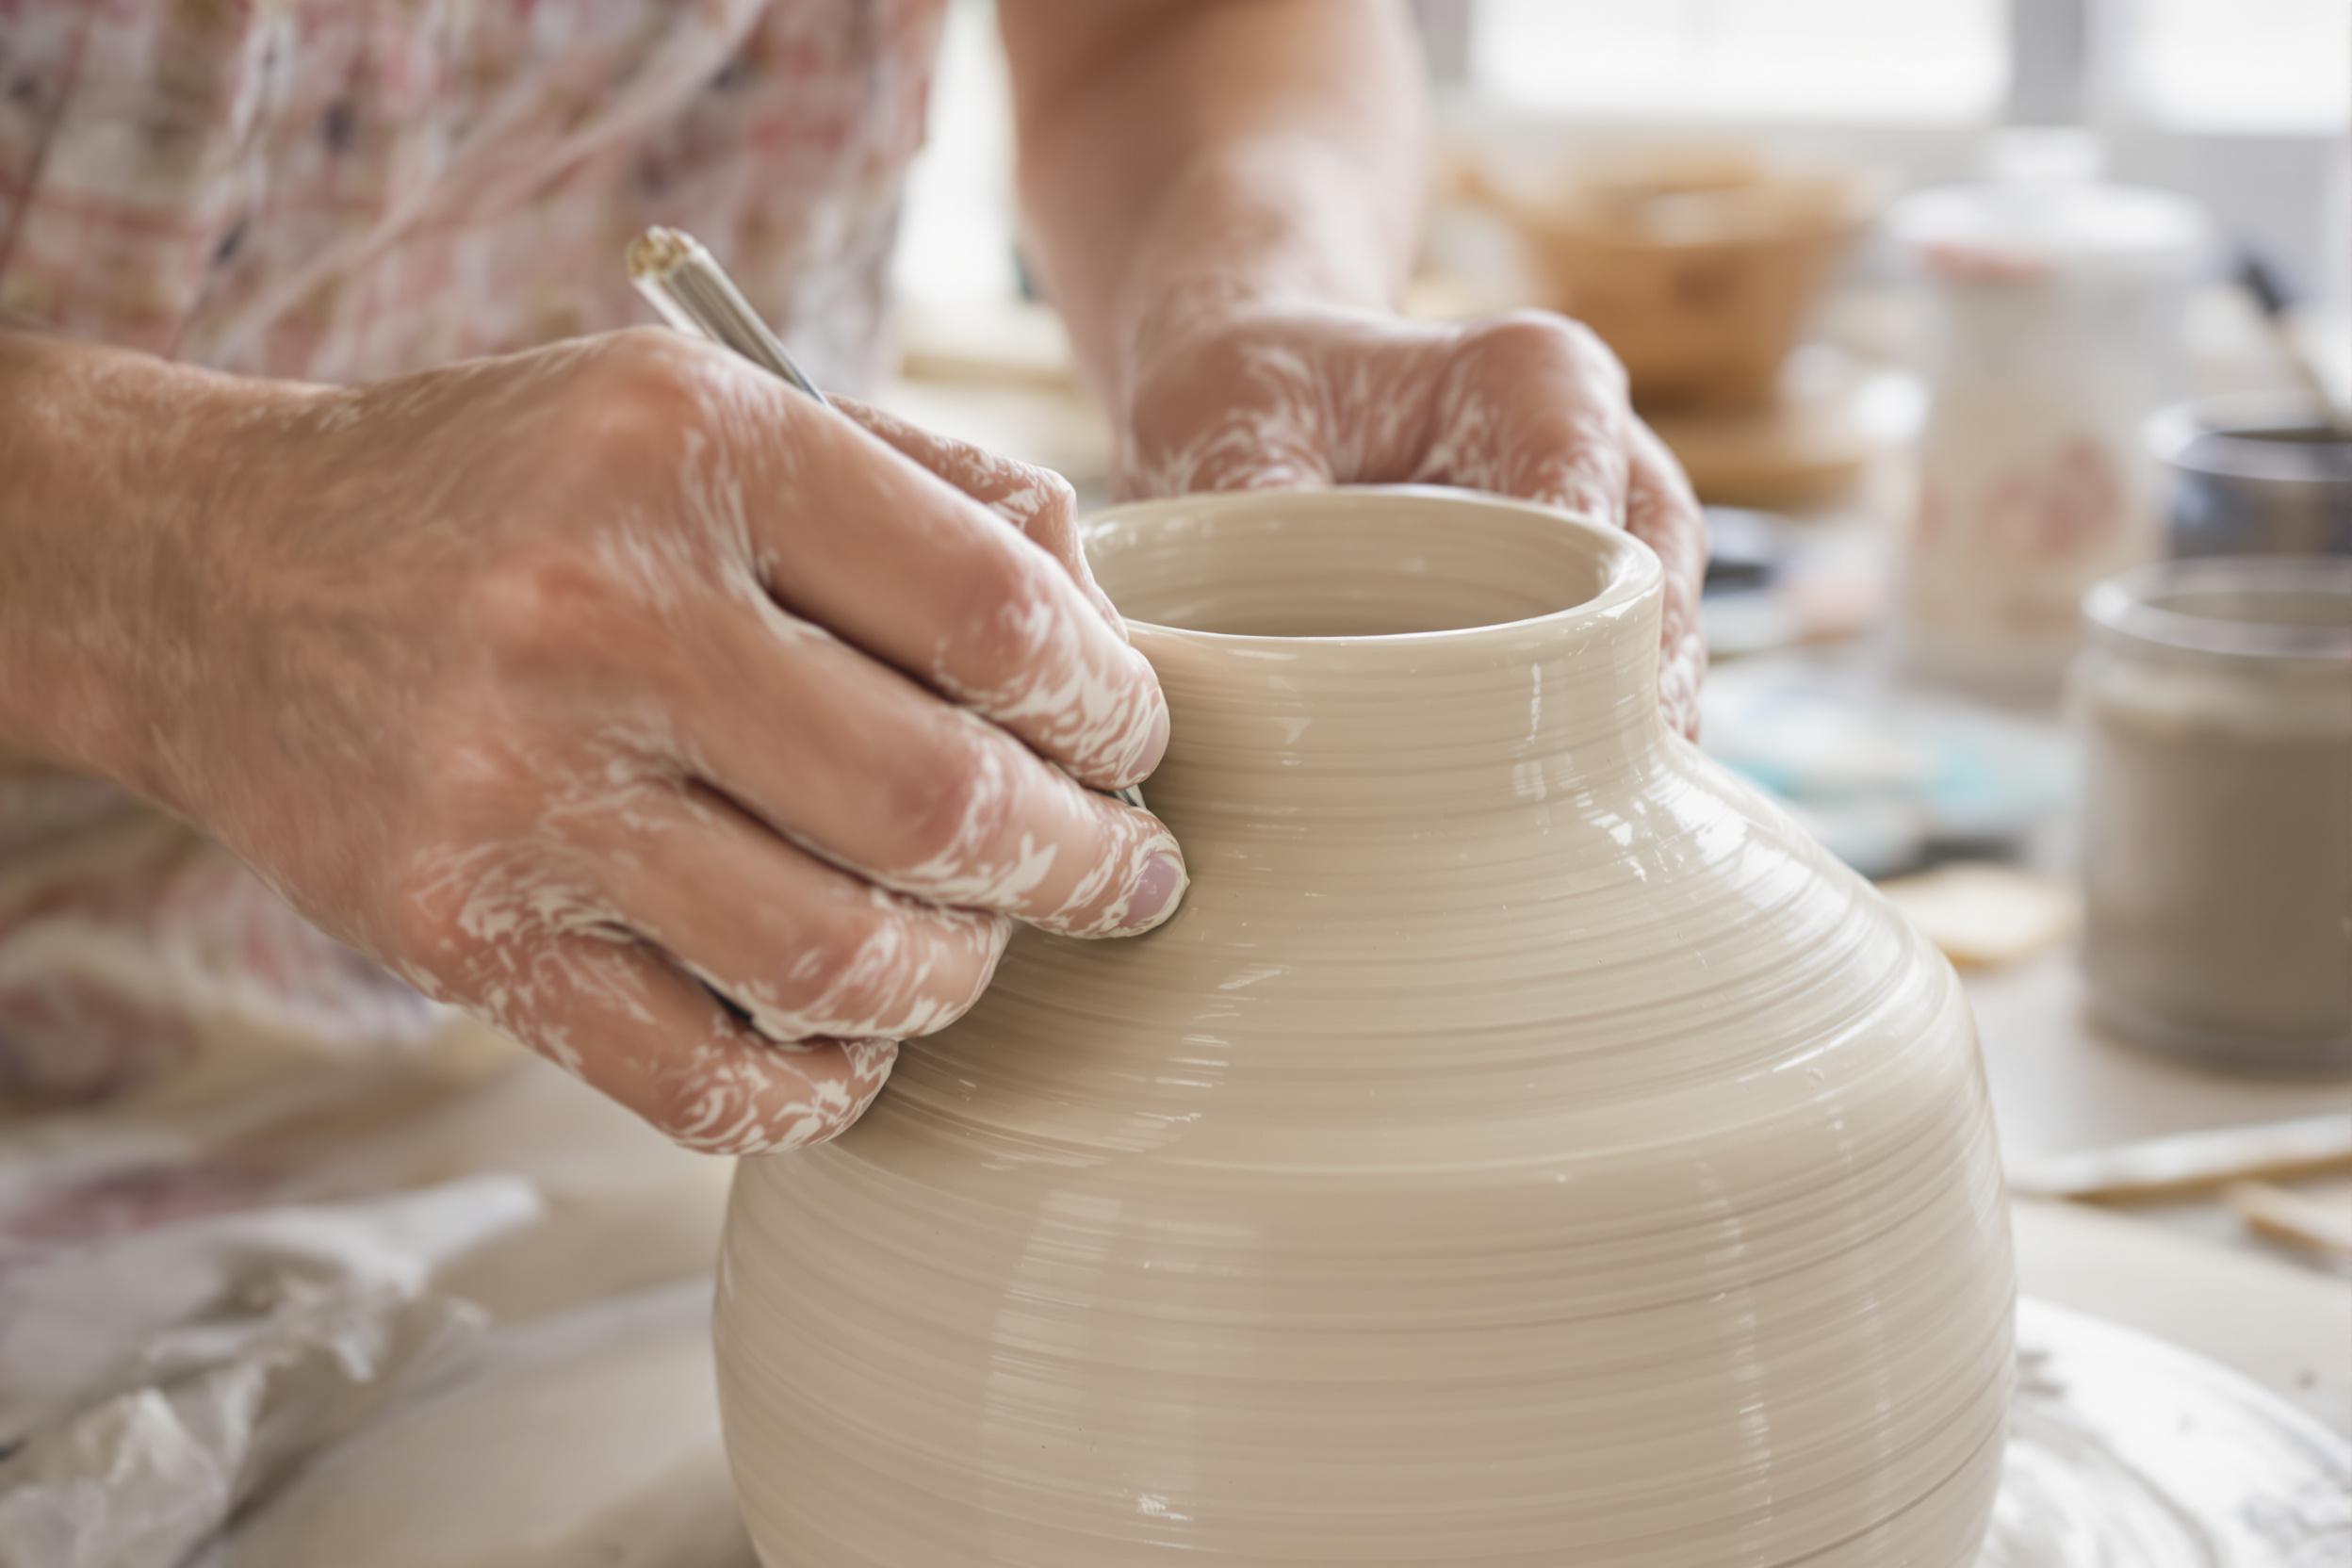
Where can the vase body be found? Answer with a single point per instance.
(1524, 1147)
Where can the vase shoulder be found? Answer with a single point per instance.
(1555, 979)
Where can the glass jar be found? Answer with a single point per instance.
(2215, 700)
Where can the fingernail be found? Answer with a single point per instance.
(1157, 892)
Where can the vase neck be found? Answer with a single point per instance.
(1403, 651)
(1408, 728)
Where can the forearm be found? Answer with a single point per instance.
(1180, 158)
(110, 468)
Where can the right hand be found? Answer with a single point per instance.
(588, 686)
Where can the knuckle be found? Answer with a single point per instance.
(847, 968)
(659, 361)
(1520, 333)
(959, 976)
(1599, 359)
(646, 340)
(635, 391)
(458, 826)
(1005, 617)
(1541, 337)
(1056, 513)
(901, 968)
(1037, 502)
(951, 809)
(551, 601)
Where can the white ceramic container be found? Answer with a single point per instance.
(2056, 302)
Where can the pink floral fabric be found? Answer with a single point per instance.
(344, 189)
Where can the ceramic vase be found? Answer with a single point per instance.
(1524, 1146)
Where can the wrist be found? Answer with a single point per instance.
(1247, 232)
(121, 468)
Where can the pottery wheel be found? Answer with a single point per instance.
(2123, 1453)
(2127, 1453)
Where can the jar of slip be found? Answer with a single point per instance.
(2215, 701)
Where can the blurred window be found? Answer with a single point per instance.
(2232, 65)
(1923, 60)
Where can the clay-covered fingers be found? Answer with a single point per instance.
(1534, 405)
(804, 948)
(632, 1025)
(1036, 501)
(1663, 512)
(877, 774)
(854, 537)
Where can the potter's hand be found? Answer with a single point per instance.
(1528, 405)
(586, 687)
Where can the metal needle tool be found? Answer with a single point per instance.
(680, 278)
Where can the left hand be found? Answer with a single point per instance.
(1528, 405)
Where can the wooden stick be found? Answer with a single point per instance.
(2192, 1163)
(2293, 1217)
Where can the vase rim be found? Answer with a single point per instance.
(1625, 570)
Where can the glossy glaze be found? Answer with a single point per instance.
(1526, 1146)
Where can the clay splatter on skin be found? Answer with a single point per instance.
(594, 761)
(1057, 687)
(1038, 502)
(1528, 406)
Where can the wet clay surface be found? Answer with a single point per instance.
(1524, 1147)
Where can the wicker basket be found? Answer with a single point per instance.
(1698, 266)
